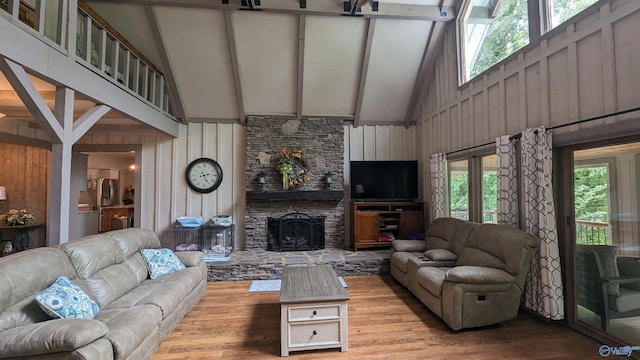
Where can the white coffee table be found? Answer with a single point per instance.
(313, 309)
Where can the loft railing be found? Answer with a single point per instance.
(98, 46)
(104, 49)
(593, 233)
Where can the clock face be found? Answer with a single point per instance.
(204, 175)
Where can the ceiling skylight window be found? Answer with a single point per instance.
(490, 31)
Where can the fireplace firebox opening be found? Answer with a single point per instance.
(295, 232)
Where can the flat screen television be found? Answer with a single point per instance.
(384, 180)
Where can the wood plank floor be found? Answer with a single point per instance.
(385, 322)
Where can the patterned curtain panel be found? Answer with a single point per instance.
(439, 185)
(508, 212)
(544, 293)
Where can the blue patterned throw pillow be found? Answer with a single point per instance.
(161, 262)
(64, 299)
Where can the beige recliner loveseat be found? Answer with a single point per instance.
(136, 313)
(468, 274)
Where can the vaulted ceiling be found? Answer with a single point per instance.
(287, 57)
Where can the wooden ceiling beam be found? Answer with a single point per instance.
(429, 12)
(371, 27)
(434, 43)
(235, 67)
(172, 84)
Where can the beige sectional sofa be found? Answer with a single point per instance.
(468, 274)
(136, 313)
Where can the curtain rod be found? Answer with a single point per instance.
(518, 135)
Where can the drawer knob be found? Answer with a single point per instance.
(315, 312)
(315, 332)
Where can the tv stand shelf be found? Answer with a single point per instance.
(376, 224)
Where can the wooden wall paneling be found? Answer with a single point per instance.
(346, 170)
(226, 160)
(179, 184)
(481, 125)
(572, 73)
(609, 88)
(356, 143)
(544, 85)
(211, 138)
(494, 108)
(455, 127)
(411, 138)
(558, 88)
(627, 60)
(590, 79)
(534, 102)
(151, 194)
(369, 140)
(464, 137)
(164, 174)
(382, 141)
(399, 142)
(239, 188)
(444, 120)
(511, 104)
(522, 91)
(194, 151)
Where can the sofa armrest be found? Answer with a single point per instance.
(409, 245)
(190, 258)
(50, 336)
(478, 275)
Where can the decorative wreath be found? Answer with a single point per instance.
(293, 167)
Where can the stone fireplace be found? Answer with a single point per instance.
(323, 142)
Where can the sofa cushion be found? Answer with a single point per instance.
(440, 255)
(626, 301)
(50, 336)
(190, 258)
(161, 262)
(401, 259)
(64, 299)
(460, 235)
(128, 327)
(498, 246)
(166, 292)
(478, 275)
(431, 278)
(409, 245)
(440, 232)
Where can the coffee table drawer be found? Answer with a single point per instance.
(314, 334)
(314, 312)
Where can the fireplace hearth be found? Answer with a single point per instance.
(295, 232)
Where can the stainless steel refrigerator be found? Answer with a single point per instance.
(105, 193)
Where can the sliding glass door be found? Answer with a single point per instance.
(606, 240)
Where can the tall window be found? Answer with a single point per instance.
(562, 10)
(489, 190)
(459, 189)
(492, 30)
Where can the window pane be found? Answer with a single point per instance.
(96, 46)
(459, 189)
(27, 12)
(489, 190)
(493, 30)
(52, 13)
(81, 36)
(563, 10)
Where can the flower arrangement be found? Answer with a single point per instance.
(17, 217)
(293, 167)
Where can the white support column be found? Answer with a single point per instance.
(60, 173)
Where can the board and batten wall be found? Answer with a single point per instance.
(585, 68)
(163, 189)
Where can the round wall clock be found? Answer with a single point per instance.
(204, 175)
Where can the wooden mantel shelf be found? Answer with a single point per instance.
(296, 195)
